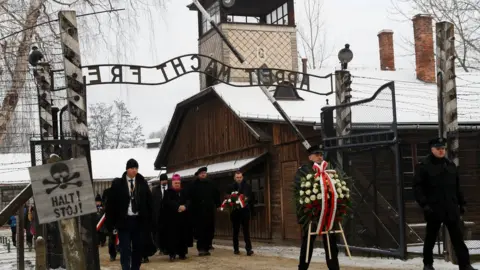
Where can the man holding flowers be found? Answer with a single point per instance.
(310, 197)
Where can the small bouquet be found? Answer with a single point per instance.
(233, 201)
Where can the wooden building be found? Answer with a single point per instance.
(227, 128)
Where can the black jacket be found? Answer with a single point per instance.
(436, 185)
(158, 204)
(118, 201)
(245, 189)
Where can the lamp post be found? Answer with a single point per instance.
(228, 3)
(345, 55)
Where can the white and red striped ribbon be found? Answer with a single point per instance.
(100, 224)
(327, 215)
(241, 199)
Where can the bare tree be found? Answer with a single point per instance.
(159, 134)
(24, 23)
(313, 35)
(463, 14)
(113, 126)
(100, 125)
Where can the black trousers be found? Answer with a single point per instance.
(131, 246)
(112, 247)
(332, 263)
(241, 218)
(14, 235)
(456, 236)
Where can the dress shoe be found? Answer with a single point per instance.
(468, 267)
(236, 252)
(428, 267)
(203, 253)
(250, 252)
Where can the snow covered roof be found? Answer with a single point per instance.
(153, 140)
(217, 168)
(106, 164)
(416, 101)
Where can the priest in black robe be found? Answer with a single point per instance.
(176, 207)
(204, 200)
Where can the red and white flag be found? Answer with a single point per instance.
(241, 199)
(101, 222)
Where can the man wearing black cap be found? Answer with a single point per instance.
(437, 191)
(128, 210)
(315, 155)
(158, 209)
(204, 199)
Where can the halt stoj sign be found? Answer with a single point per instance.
(62, 190)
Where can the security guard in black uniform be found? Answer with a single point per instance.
(437, 191)
(315, 155)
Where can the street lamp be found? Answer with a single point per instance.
(228, 3)
(345, 55)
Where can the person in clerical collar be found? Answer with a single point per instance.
(160, 233)
(129, 210)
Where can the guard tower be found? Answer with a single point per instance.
(263, 31)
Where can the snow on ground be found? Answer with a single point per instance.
(366, 262)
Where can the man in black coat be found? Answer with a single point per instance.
(315, 155)
(241, 217)
(158, 193)
(205, 199)
(437, 191)
(129, 210)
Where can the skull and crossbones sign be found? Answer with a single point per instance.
(61, 176)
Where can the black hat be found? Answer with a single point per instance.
(163, 176)
(315, 149)
(132, 163)
(98, 198)
(437, 142)
(202, 169)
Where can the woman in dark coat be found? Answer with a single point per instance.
(177, 224)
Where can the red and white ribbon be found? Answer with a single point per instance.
(241, 199)
(329, 205)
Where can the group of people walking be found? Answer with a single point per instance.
(170, 216)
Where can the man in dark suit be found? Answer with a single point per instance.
(315, 155)
(241, 217)
(205, 199)
(437, 191)
(158, 193)
(129, 210)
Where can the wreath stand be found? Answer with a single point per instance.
(340, 231)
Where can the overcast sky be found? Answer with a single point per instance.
(162, 35)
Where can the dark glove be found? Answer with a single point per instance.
(427, 210)
(462, 210)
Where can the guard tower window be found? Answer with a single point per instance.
(243, 19)
(286, 91)
(214, 12)
(279, 16)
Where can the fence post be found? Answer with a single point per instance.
(40, 254)
(447, 101)
(20, 239)
(343, 115)
(77, 109)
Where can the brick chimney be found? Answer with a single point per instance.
(387, 55)
(424, 51)
(304, 65)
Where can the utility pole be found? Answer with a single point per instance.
(447, 102)
(51, 234)
(77, 112)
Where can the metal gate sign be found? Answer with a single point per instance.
(62, 190)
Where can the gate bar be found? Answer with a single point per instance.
(240, 58)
